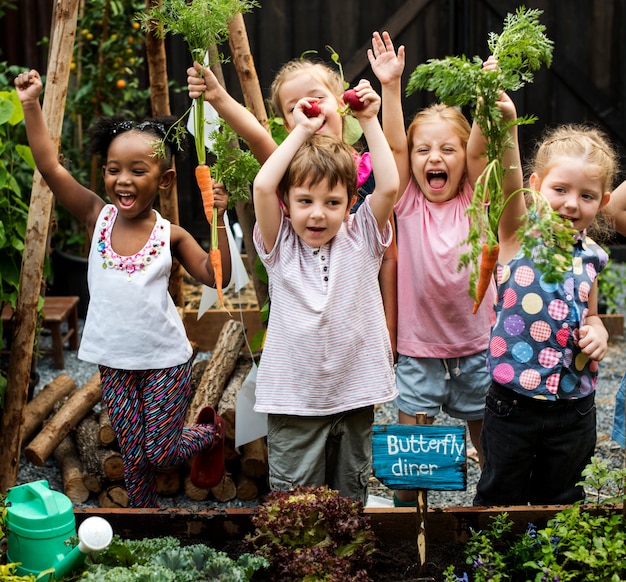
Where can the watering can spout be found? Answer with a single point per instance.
(69, 563)
(94, 534)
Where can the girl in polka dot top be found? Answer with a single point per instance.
(539, 430)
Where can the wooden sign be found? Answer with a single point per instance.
(420, 457)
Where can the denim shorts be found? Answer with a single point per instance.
(619, 430)
(534, 450)
(458, 386)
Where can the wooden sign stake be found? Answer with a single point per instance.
(422, 509)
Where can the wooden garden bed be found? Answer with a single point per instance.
(443, 526)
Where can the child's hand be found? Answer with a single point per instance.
(308, 115)
(201, 80)
(491, 64)
(593, 341)
(507, 107)
(220, 198)
(28, 85)
(387, 66)
(505, 103)
(369, 98)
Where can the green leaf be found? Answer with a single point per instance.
(7, 109)
(26, 154)
(352, 130)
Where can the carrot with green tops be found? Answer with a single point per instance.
(488, 260)
(205, 183)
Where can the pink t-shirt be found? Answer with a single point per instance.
(435, 317)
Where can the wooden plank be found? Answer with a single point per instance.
(216, 526)
(203, 332)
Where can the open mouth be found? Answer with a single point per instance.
(437, 179)
(126, 200)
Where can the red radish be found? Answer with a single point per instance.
(352, 101)
(313, 110)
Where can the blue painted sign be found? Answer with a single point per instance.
(420, 456)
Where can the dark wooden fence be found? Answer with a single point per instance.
(586, 83)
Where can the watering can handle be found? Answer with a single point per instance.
(41, 491)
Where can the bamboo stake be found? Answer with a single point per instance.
(160, 101)
(37, 227)
(253, 98)
(244, 65)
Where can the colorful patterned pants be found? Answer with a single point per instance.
(147, 409)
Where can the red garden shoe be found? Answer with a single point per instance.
(207, 467)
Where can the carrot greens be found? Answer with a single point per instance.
(520, 50)
(203, 23)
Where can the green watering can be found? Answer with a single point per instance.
(39, 523)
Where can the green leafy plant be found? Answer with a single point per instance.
(583, 543)
(203, 24)
(312, 533)
(611, 288)
(163, 559)
(235, 167)
(16, 175)
(520, 49)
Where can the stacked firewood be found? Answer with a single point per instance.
(66, 422)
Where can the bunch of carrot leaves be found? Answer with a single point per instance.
(234, 167)
(520, 50)
(203, 24)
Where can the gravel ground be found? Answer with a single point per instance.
(611, 370)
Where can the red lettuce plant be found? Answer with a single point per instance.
(312, 533)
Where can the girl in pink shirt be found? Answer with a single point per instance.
(441, 344)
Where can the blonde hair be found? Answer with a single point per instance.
(318, 70)
(322, 157)
(440, 112)
(577, 141)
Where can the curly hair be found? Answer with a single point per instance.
(105, 129)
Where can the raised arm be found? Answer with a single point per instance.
(515, 210)
(78, 200)
(476, 153)
(615, 210)
(383, 163)
(201, 80)
(266, 204)
(388, 68)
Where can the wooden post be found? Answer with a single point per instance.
(253, 98)
(40, 212)
(422, 509)
(160, 101)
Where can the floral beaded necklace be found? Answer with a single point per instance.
(132, 264)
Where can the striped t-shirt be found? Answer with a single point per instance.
(327, 348)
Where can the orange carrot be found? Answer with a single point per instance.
(488, 260)
(216, 262)
(203, 178)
